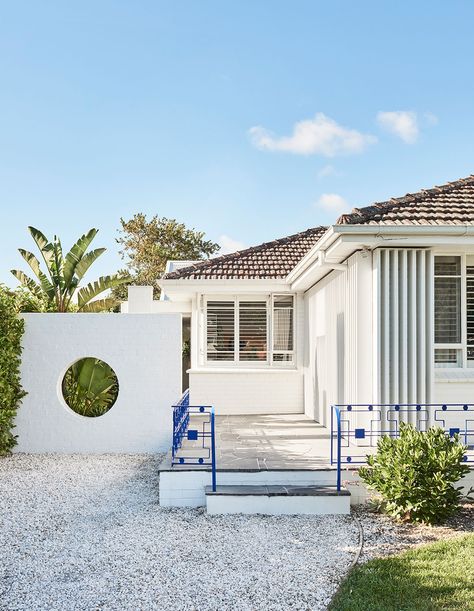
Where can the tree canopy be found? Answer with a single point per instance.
(146, 246)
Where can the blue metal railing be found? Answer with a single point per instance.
(356, 428)
(202, 418)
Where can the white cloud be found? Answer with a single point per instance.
(334, 203)
(318, 136)
(402, 123)
(229, 245)
(327, 170)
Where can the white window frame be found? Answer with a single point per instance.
(462, 345)
(236, 362)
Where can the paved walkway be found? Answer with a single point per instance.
(288, 441)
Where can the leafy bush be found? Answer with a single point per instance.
(11, 392)
(415, 473)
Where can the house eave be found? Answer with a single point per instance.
(179, 288)
(341, 241)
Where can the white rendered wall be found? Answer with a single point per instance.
(338, 352)
(248, 391)
(145, 352)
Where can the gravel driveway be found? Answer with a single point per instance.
(86, 532)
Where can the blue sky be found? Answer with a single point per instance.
(249, 120)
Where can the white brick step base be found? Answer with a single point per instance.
(277, 500)
(186, 487)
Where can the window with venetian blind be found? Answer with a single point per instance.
(250, 330)
(454, 311)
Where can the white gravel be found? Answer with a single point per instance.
(87, 533)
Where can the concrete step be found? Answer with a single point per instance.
(184, 486)
(277, 500)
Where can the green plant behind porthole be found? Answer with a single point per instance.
(90, 387)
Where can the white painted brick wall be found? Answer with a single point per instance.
(145, 352)
(248, 391)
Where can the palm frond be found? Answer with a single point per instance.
(57, 267)
(104, 283)
(75, 255)
(100, 305)
(34, 264)
(28, 283)
(86, 261)
(45, 247)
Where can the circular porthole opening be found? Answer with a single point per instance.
(90, 387)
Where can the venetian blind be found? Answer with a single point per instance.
(282, 328)
(447, 307)
(470, 306)
(252, 330)
(220, 330)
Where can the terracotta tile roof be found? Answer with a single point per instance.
(267, 261)
(449, 204)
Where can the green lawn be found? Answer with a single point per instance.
(433, 577)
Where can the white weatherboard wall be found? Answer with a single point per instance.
(144, 350)
(338, 358)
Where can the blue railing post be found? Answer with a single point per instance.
(331, 449)
(339, 434)
(213, 451)
(174, 434)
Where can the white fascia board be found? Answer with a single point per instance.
(177, 290)
(340, 241)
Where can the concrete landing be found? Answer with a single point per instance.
(273, 441)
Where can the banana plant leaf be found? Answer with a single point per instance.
(90, 387)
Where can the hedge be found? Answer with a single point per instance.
(11, 391)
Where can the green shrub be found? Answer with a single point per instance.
(11, 392)
(415, 473)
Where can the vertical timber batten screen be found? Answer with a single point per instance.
(405, 325)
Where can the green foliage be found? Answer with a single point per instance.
(56, 289)
(148, 245)
(27, 302)
(415, 473)
(434, 577)
(11, 392)
(90, 387)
